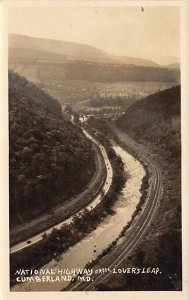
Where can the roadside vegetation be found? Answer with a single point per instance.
(101, 126)
(60, 240)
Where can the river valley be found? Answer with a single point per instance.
(107, 231)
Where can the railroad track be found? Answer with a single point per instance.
(137, 231)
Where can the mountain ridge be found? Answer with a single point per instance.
(71, 50)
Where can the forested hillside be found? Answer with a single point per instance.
(48, 155)
(116, 73)
(155, 123)
(156, 120)
(57, 72)
(19, 84)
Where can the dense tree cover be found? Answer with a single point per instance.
(101, 126)
(112, 101)
(83, 223)
(113, 73)
(49, 156)
(21, 84)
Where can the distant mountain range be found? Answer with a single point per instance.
(62, 68)
(173, 66)
(21, 46)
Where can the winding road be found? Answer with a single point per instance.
(90, 191)
(138, 229)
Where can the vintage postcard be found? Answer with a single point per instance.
(94, 200)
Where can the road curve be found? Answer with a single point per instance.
(70, 206)
(97, 198)
(137, 231)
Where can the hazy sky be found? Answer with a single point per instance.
(153, 33)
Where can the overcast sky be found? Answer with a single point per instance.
(153, 33)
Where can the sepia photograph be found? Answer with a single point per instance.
(94, 105)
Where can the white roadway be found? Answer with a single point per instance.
(109, 173)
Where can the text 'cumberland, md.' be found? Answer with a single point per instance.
(58, 275)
